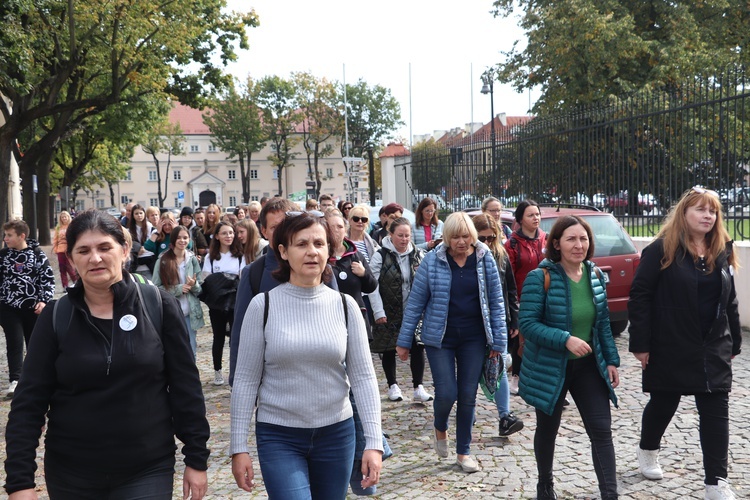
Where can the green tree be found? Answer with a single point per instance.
(581, 51)
(166, 139)
(322, 118)
(236, 128)
(373, 115)
(278, 102)
(62, 61)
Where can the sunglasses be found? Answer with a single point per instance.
(347, 207)
(314, 213)
(700, 190)
(357, 218)
(487, 239)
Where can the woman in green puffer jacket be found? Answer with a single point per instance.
(569, 347)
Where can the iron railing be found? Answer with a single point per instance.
(632, 156)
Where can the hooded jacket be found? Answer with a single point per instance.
(192, 268)
(25, 276)
(525, 254)
(430, 297)
(664, 321)
(545, 319)
(389, 301)
(111, 405)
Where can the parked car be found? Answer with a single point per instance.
(620, 203)
(113, 211)
(614, 253)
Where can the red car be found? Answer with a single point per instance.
(614, 252)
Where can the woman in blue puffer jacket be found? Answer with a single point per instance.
(569, 347)
(457, 290)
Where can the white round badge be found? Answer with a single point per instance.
(128, 322)
(342, 275)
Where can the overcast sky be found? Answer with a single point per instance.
(378, 41)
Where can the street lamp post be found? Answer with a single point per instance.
(94, 195)
(488, 80)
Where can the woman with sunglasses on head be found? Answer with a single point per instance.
(489, 234)
(359, 222)
(394, 267)
(224, 258)
(298, 334)
(427, 232)
(685, 331)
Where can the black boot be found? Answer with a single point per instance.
(546, 491)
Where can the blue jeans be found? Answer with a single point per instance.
(591, 395)
(502, 396)
(456, 368)
(192, 333)
(302, 464)
(67, 483)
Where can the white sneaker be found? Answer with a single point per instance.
(513, 384)
(218, 378)
(648, 463)
(421, 395)
(12, 389)
(720, 491)
(394, 393)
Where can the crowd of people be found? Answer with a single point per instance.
(314, 292)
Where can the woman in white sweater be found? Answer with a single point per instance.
(298, 336)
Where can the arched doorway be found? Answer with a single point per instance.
(205, 198)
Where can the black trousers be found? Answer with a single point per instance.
(17, 325)
(713, 414)
(416, 363)
(219, 322)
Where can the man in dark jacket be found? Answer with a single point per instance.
(27, 283)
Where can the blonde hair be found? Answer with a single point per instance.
(456, 224)
(674, 231)
(59, 223)
(486, 221)
(152, 210)
(359, 211)
(250, 248)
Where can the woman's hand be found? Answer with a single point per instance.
(614, 376)
(194, 484)
(242, 468)
(372, 462)
(494, 354)
(358, 269)
(577, 346)
(403, 353)
(29, 494)
(381, 321)
(39, 307)
(513, 333)
(643, 358)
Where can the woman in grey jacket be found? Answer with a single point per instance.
(457, 290)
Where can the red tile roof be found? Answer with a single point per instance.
(393, 150)
(190, 120)
(501, 131)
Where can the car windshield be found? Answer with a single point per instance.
(609, 236)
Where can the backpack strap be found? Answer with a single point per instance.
(546, 279)
(61, 310)
(346, 311)
(265, 310)
(343, 301)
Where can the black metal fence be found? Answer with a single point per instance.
(633, 156)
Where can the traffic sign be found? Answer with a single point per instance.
(353, 159)
(180, 196)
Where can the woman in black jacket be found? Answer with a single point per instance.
(115, 390)
(685, 330)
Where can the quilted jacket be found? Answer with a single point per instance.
(430, 296)
(418, 236)
(545, 320)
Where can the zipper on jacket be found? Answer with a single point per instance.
(109, 344)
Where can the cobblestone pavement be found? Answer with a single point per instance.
(508, 469)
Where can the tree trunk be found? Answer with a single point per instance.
(6, 150)
(244, 178)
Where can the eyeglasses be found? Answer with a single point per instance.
(495, 211)
(347, 207)
(314, 213)
(700, 190)
(428, 211)
(487, 239)
(357, 218)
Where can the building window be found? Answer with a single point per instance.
(177, 175)
(212, 148)
(329, 173)
(128, 175)
(231, 174)
(152, 175)
(195, 148)
(254, 198)
(232, 201)
(275, 174)
(80, 205)
(124, 199)
(154, 202)
(254, 174)
(177, 203)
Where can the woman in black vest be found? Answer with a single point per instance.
(394, 266)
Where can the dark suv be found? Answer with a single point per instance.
(614, 252)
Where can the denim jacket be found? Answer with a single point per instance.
(430, 298)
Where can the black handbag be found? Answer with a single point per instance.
(219, 291)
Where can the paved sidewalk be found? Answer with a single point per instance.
(508, 466)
